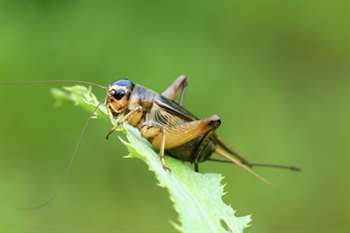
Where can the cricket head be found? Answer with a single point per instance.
(118, 96)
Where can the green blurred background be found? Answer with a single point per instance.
(277, 72)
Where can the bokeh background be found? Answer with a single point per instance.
(277, 72)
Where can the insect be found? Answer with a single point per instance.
(166, 124)
(170, 128)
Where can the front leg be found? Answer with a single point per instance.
(135, 113)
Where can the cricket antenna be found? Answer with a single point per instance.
(36, 82)
(67, 171)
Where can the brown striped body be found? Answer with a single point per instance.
(183, 147)
(168, 126)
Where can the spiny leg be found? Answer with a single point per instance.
(197, 152)
(177, 88)
(176, 136)
(180, 134)
(119, 121)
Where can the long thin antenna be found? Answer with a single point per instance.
(67, 171)
(52, 82)
(287, 167)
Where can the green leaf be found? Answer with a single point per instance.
(197, 197)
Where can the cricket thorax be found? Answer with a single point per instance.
(140, 98)
(143, 97)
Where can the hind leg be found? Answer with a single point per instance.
(164, 138)
(177, 88)
(198, 151)
(181, 134)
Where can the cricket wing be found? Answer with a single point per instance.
(174, 108)
(166, 119)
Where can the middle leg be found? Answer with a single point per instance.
(150, 130)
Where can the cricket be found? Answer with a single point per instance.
(171, 128)
(163, 120)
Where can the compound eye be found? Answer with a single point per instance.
(118, 94)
